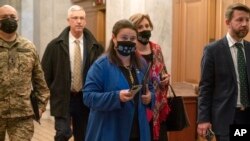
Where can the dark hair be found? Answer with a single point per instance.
(137, 18)
(121, 24)
(233, 7)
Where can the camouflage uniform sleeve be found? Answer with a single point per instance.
(39, 83)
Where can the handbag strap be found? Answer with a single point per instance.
(172, 90)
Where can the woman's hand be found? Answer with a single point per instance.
(165, 79)
(125, 95)
(146, 98)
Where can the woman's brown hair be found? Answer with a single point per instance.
(121, 24)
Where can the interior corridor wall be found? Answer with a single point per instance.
(43, 20)
(160, 12)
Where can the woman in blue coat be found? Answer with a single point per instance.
(117, 114)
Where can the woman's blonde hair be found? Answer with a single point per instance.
(137, 18)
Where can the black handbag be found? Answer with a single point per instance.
(178, 118)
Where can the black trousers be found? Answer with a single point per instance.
(240, 117)
(76, 120)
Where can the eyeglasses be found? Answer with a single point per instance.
(76, 18)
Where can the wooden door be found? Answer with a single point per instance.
(96, 23)
(95, 16)
(191, 32)
(221, 5)
(195, 24)
(193, 28)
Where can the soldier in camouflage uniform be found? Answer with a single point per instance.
(19, 67)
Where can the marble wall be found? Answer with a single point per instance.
(26, 24)
(43, 20)
(50, 20)
(160, 12)
(40, 22)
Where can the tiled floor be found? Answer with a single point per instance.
(44, 131)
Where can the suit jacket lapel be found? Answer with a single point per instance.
(229, 57)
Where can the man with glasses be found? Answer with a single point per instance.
(19, 68)
(66, 61)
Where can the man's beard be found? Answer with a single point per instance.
(241, 33)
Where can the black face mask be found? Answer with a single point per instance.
(8, 25)
(125, 48)
(143, 37)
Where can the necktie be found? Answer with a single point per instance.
(77, 70)
(242, 71)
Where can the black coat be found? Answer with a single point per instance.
(56, 66)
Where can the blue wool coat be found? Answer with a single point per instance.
(109, 118)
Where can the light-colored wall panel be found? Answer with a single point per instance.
(52, 20)
(160, 12)
(189, 39)
(221, 6)
(196, 24)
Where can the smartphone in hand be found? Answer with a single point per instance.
(135, 89)
(209, 134)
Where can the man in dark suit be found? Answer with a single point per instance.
(66, 61)
(219, 101)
